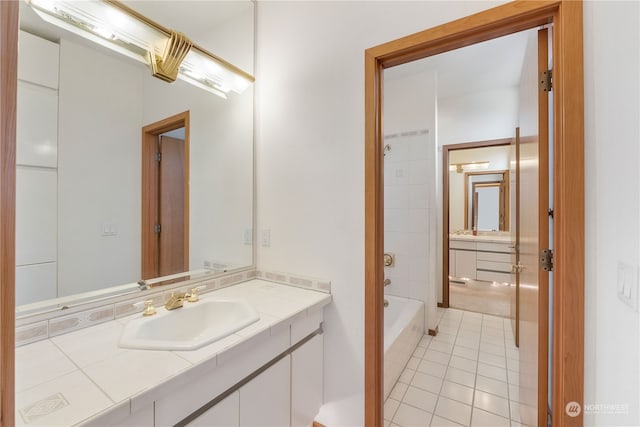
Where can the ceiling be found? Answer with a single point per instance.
(494, 64)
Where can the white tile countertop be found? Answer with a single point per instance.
(68, 379)
(485, 238)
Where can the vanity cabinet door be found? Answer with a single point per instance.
(266, 400)
(452, 262)
(224, 414)
(306, 382)
(466, 264)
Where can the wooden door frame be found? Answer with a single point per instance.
(150, 167)
(8, 99)
(445, 204)
(568, 111)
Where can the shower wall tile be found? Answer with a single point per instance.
(396, 197)
(406, 220)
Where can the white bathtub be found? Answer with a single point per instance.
(403, 329)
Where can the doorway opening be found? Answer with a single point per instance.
(469, 283)
(568, 192)
(165, 197)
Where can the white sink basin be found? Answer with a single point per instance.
(190, 327)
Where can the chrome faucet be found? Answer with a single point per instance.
(175, 301)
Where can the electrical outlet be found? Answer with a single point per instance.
(266, 238)
(627, 285)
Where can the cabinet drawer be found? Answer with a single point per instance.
(504, 267)
(461, 244)
(495, 247)
(493, 277)
(495, 256)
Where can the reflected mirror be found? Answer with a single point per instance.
(479, 190)
(487, 201)
(82, 111)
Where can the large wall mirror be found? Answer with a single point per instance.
(81, 122)
(479, 189)
(486, 201)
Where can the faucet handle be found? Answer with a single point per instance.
(193, 295)
(149, 309)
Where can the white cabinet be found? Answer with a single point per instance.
(266, 400)
(306, 382)
(494, 262)
(37, 126)
(487, 261)
(38, 60)
(224, 414)
(465, 264)
(274, 379)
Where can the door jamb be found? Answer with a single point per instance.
(8, 99)
(568, 298)
(150, 211)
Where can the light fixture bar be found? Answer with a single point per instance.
(168, 53)
(461, 167)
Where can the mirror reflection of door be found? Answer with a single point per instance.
(171, 183)
(165, 197)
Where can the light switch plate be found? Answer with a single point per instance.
(248, 236)
(627, 284)
(266, 238)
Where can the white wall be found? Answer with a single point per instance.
(409, 211)
(100, 117)
(310, 174)
(612, 135)
(478, 116)
(310, 168)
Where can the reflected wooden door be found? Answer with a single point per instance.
(533, 239)
(515, 236)
(165, 198)
(171, 207)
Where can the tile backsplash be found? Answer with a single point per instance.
(59, 322)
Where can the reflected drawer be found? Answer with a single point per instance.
(504, 267)
(495, 256)
(461, 244)
(494, 247)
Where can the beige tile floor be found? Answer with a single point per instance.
(466, 375)
(481, 297)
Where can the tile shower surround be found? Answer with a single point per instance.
(39, 327)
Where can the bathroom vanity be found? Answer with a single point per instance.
(483, 257)
(267, 373)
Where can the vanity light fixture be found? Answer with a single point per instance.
(468, 166)
(168, 53)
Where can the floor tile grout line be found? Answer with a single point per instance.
(435, 408)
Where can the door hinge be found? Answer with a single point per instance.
(546, 80)
(157, 228)
(551, 213)
(158, 156)
(546, 260)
